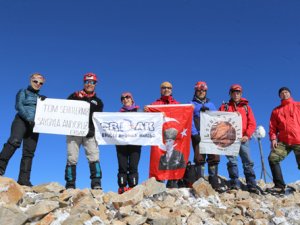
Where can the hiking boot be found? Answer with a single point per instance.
(276, 190)
(235, 187)
(96, 175)
(28, 184)
(97, 187)
(70, 185)
(25, 170)
(121, 190)
(172, 184)
(129, 188)
(253, 190)
(70, 176)
(235, 184)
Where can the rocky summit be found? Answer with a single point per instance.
(148, 203)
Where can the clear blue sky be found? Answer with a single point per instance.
(134, 45)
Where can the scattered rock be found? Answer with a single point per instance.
(148, 203)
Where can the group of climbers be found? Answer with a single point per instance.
(284, 135)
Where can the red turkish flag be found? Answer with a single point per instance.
(168, 162)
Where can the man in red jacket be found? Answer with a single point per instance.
(166, 98)
(240, 105)
(284, 132)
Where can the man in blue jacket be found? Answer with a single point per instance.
(201, 104)
(22, 129)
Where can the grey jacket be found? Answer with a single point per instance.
(26, 100)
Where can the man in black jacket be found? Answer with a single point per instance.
(89, 142)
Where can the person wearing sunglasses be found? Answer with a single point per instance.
(22, 129)
(166, 98)
(88, 142)
(128, 155)
(202, 104)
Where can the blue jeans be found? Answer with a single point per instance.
(232, 167)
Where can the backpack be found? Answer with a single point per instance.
(190, 175)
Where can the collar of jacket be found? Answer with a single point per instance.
(243, 101)
(82, 94)
(167, 99)
(287, 101)
(196, 99)
(129, 108)
(29, 88)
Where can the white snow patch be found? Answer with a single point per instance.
(186, 193)
(292, 214)
(280, 220)
(94, 219)
(200, 202)
(146, 203)
(60, 217)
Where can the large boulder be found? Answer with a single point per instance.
(10, 191)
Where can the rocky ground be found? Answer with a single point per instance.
(148, 203)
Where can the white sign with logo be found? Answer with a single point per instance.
(59, 116)
(133, 128)
(220, 133)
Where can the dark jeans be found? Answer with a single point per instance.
(128, 160)
(20, 131)
(200, 159)
(248, 165)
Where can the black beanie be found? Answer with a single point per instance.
(283, 89)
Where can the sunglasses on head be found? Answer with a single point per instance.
(37, 82)
(170, 88)
(125, 97)
(90, 82)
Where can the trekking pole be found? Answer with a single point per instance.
(259, 134)
(263, 170)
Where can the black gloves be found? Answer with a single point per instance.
(90, 134)
(31, 124)
(196, 137)
(42, 97)
(204, 108)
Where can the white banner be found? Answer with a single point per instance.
(58, 116)
(133, 128)
(220, 133)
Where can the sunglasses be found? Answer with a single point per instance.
(170, 88)
(37, 82)
(236, 91)
(201, 90)
(92, 82)
(125, 97)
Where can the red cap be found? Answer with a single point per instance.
(90, 76)
(235, 87)
(201, 85)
